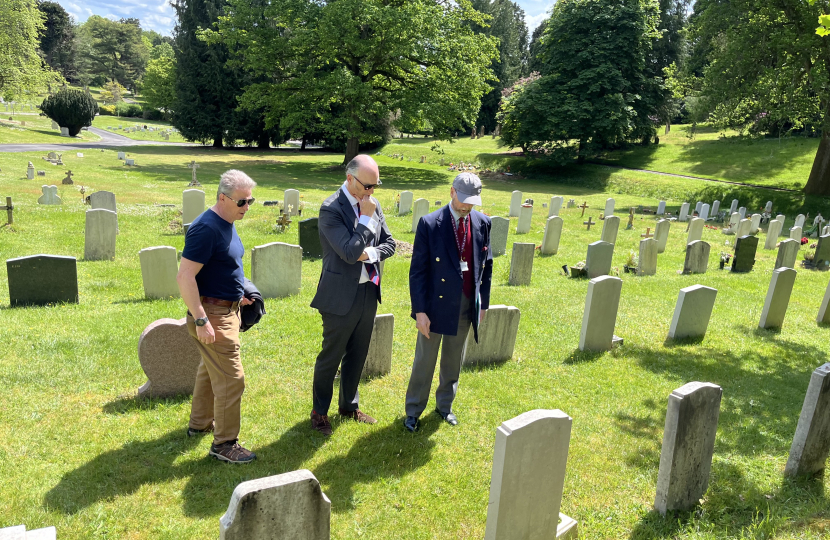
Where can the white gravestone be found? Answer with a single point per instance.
(525, 217)
(159, 266)
(405, 203)
(734, 219)
(698, 206)
(521, 263)
(733, 207)
(795, 233)
(754, 223)
(103, 199)
(419, 210)
(648, 257)
(379, 358)
(799, 220)
(291, 202)
(661, 234)
(64, 132)
(781, 218)
(129, 162)
(688, 445)
(496, 336)
(661, 208)
(555, 206)
(525, 499)
(695, 230)
(768, 207)
(282, 507)
(193, 204)
(743, 228)
(30, 171)
(773, 232)
(600, 316)
(811, 445)
(610, 228)
(598, 259)
(697, 257)
(498, 235)
(778, 298)
(609, 207)
(824, 310)
(277, 269)
(715, 208)
(50, 195)
(704, 212)
(122, 155)
(553, 233)
(742, 212)
(515, 203)
(692, 312)
(99, 235)
(787, 253)
(684, 212)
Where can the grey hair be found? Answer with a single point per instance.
(232, 180)
(353, 166)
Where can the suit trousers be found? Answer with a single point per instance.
(426, 356)
(220, 380)
(346, 341)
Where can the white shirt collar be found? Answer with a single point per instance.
(349, 196)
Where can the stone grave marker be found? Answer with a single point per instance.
(193, 204)
(99, 235)
(55, 125)
(129, 162)
(743, 228)
(405, 206)
(781, 218)
(648, 257)
(521, 263)
(821, 260)
(571, 203)
(553, 233)
(823, 311)
(661, 208)
(745, 248)
(778, 298)
(555, 206)
(742, 212)
(734, 219)
(773, 232)
(42, 279)
(610, 228)
(795, 233)
(692, 312)
(310, 238)
(193, 166)
(291, 202)
(496, 336)
(697, 257)
(289, 506)
(799, 220)
(122, 155)
(68, 180)
(589, 223)
(704, 212)
(695, 230)
(498, 235)
(41, 173)
(609, 207)
(379, 358)
(715, 208)
(525, 216)
(598, 258)
(688, 445)
(103, 199)
(768, 207)
(733, 207)
(276, 269)
(787, 253)
(661, 234)
(684, 212)
(698, 206)
(50, 195)
(80, 154)
(419, 210)
(754, 223)
(811, 444)
(159, 266)
(515, 204)
(524, 500)
(169, 357)
(600, 316)
(30, 171)
(64, 132)
(584, 205)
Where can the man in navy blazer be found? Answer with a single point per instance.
(449, 286)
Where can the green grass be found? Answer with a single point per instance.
(38, 129)
(111, 123)
(80, 453)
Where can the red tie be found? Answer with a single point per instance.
(370, 267)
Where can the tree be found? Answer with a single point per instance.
(534, 63)
(112, 93)
(159, 83)
(111, 50)
(594, 87)
(22, 71)
(70, 108)
(344, 67)
(57, 41)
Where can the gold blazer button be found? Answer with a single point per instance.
(437, 259)
(440, 297)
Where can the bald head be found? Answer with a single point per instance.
(360, 163)
(362, 171)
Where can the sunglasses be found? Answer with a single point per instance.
(242, 202)
(367, 188)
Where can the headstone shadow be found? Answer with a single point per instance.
(677, 342)
(131, 403)
(579, 357)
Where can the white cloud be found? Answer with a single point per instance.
(533, 21)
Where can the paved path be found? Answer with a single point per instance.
(108, 140)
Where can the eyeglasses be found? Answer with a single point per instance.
(241, 202)
(367, 188)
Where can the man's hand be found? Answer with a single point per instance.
(205, 333)
(367, 206)
(245, 301)
(481, 315)
(422, 324)
(363, 256)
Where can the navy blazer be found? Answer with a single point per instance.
(343, 240)
(435, 279)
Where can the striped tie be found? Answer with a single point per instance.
(370, 267)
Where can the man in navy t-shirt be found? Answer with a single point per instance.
(210, 281)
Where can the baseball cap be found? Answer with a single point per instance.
(468, 188)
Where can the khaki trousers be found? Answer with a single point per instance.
(220, 380)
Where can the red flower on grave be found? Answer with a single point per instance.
(804, 240)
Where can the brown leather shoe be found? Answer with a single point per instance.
(231, 452)
(320, 422)
(358, 416)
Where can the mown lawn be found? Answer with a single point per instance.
(81, 453)
(37, 129)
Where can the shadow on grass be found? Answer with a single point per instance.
(679, 342)
(132, 403)
(579, 357)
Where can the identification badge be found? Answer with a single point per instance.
(464, 266)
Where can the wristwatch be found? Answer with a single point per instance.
(201, 322)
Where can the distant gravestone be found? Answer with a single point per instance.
(419, 210)
(743, 228)
(55, 125)
(291, 202)
(695, 230)
(518, 492)
(698, 206)
(42, 279)
(782, 218)
(525, 217)
(496, 336)
(795, 233)
(821, 259)
(571, 203)
(99, 235)
(688, 445)
(824, 310)
(704, 212)
(159, 266)
(742, 212)
(661, 234)
(379, 358)
(193, 204)
(283, 507)
(648, 257)
(610, 228)
(310, 238)
(555, 206)
(598, 259)
(30, 171)
(768, 207)
(515, 204)
(811, 443)
(609, 207)
(778, 298)
(498, 235)
(754, 223)
(600, 315)
(684, 212)
(734, 219)
(276, 269)
(553, 233)
(773, 232)
(692, 312)
(103, 199)
(64, 132)
(661, 208)
(697, 257)
(50, 195)
(733, 207)
(521, 263)
(745, 248)
(129, 162)
(787, 253)
(169, 357)
(799, 220)
(715, 208)
(405, 203)
(122, 155)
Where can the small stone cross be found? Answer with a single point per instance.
(589, 222)
(193, 166)
(584, 205)
(630, 219)
(647, 235)
(68, 179)
(9, 208)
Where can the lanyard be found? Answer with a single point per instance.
(463, 243)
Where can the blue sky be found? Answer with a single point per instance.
(159, 16)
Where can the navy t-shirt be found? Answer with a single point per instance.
(213, 242)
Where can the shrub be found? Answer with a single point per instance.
(131, 110)
(106, 110)
(152, 114)
(70, 108)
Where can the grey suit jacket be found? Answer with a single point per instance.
(343, 241)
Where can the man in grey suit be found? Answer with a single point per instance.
(355, 238)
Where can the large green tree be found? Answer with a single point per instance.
(111, 50)
(22, 71)
(534, 63)
(344, 67)
(158, 85)
(57, 41)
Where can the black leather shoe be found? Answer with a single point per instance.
(411, 423)
(448, 417)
